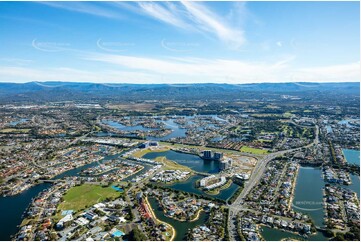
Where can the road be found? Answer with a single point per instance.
(261, 166)
(256, 175)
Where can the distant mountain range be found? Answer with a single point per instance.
(61, 91)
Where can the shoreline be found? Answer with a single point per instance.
(159, 221)
(217, 190)
(293, 188)
(37, 182)
(197, 216)
(174, 182)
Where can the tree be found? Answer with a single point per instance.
(136, 235)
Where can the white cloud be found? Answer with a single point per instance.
(210, 22)
(85, 7)
(16, 61)
(21, 74)
(332, 73)
(186, 15)
(128, 69)
(235, 71)
(194, 16)
(168, 14)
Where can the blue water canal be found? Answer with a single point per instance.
(13, 207)
(352, 156)
(192, 161)
(308, 194)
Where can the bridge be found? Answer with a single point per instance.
(322, 229)
(202, 173)
(50, 181)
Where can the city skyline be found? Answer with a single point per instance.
(180, 42)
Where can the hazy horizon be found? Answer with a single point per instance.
(175, 84)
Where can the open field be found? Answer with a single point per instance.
(255, 151)
(225, 151)
(264, 140)
(143, 107)
(81, 197)
(11, 130)
(142, 152)
(287, 114)
(171, 165)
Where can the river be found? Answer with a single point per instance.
(190, 186)
(197, 164)
(177, 131)
(308, 200)
(181, 228)
(13, 207)
(352, 156)
(192, 161)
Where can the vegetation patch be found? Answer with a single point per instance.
(143, 152)
(11, 130)
(255, 151)
(172, 165)
(84, 196)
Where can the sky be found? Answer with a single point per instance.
(180, 42)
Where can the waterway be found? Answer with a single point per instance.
(271, 234)
(13, 207)
(355, 186)
(347, 122)
(197, 164)
(308, 200)
(309, 193)
(352, 156)
(22, 120)
(76, 171)
(181, 228)
(192, 161)
(190, 186)
(177, 130)
(308, 196)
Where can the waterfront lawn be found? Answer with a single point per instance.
(84, 196)
(255, 151)
(287, 115)
(11, 130)
(172, 165)
(199, 147)
(143, 152)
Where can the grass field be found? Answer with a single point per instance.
(10, 130)
(142, 152)
(225, 151)
(264, 140)
(172, 165)
(81, 197)
(287, 115)
(255, 151)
